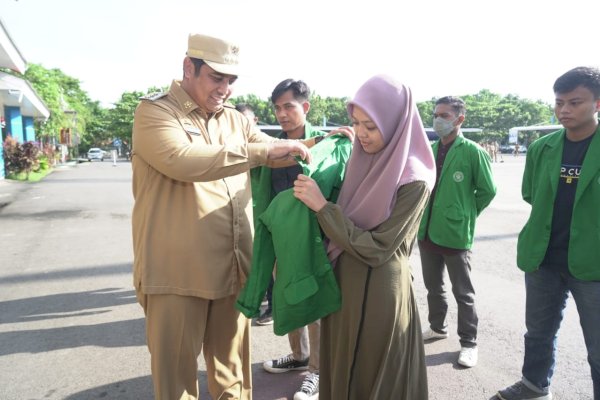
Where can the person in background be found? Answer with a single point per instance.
(559, 246)
(464, 188)
(496, 151)
(372, 347)
(192, 238)
(247, 110)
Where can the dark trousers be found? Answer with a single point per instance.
(459, 272)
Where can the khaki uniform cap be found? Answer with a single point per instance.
(220, 55)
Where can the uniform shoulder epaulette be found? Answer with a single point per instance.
(154, 96)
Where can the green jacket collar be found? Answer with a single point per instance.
(452, 154)
(309, 131)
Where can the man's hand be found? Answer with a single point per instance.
(342, 130)
(287, 150)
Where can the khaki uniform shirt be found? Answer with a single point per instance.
(192, 216)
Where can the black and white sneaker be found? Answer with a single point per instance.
(309, 389)
(285, 364)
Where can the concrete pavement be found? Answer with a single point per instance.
(70, 327)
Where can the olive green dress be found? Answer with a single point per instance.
(372, 347)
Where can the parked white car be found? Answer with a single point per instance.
(95, 154)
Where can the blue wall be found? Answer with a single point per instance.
(14, 123)
(1, 163)
(29, 131)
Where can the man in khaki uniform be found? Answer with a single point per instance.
(192, 223)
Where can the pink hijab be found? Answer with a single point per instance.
(372, 180)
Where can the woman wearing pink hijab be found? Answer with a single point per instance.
(372, 348)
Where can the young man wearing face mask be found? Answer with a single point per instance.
(463, 188)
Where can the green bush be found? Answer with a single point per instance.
(44, 164)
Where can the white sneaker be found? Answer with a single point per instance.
(309, 389)
(468, 357)
(430, 334)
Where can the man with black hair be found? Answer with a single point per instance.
(291, 103)
(559, 246)
(464, 188)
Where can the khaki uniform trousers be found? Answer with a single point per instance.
(305, 343)
(178, 328)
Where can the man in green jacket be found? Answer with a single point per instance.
(290, 100)
(464, 187)
(559, 246)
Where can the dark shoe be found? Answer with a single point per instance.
(519, 391)
(285, 364)
(266, 318)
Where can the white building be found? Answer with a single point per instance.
(20, 105)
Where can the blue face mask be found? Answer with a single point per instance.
(443, 127)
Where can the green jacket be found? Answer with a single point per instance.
(540, 183)
(464, 188)
(262, 192)
(305, 288)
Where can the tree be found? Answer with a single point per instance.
(496, 114)
(332, 110)
(120, 118)
(97, 128)
(69, 105)
(262, 108)
(493, 113)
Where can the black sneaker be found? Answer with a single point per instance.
(266, 318)
(519, 391)
(285, 364)
(309, 389)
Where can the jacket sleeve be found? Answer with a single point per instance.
(160, 140)
(485, 188)
(375, 247)
(527, 184)
(263, 261)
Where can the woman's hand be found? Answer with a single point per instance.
(307, 191)
(342, 130)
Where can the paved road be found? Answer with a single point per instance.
(70, 327)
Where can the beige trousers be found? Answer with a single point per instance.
(178, 328)
(304, 343)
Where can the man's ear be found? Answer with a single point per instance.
(461, 119)
(306, 107)
(188, 68)
(598, 105)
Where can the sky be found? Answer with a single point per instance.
(437, 47)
